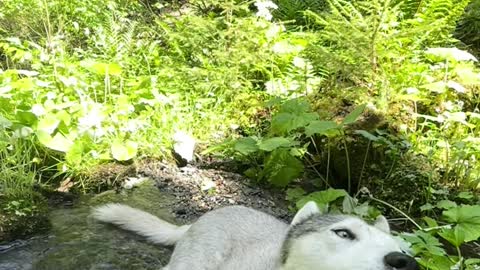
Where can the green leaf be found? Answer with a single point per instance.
(103, 69)
(322, 197)
(251, 173)
(122, 151)
(319, 127)
(424, 243)
(59, 142)
(281, 167)
(367, 135)
(48, 124)
(26, 118)
(431, 223)
(436, 87)
(446, 204)
(349, 204)
(296, 106)
(75, 153)
(364, 210)
(353, 116)
(455, 235)
(472, 262)
(436, 262)
(467, 219)
(465, 195)
(282, 123)
(273, 143)
(293, 194)
(426, 207)
(246, 146)
(293, 114)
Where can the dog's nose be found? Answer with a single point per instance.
(400, 261)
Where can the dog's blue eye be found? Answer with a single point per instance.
(344, 233)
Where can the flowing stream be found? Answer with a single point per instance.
(78, 242)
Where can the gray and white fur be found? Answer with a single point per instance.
(240, 238)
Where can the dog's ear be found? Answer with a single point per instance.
(306, 211)
(381, 223)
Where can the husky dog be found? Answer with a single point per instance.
(240, 238)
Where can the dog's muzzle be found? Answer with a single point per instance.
(400, 261)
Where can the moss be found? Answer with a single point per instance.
(145, 196)
(407, 187)
(21, 217)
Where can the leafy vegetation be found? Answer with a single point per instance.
(342, 96)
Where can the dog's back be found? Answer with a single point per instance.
(224, 235)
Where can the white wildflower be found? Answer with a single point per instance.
(264, 9)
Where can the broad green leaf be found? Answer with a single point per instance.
(58, 142)
(65, 117)
(25, 117)
(44, 137)
(467, 219)
(431, 223)
(473, 262)
(322, 197)
(296, 106)
(367, 135)
(423, 242)
(436, 262)
(364, 210)
(246, 146)
(75, 153)
(283, 123)
(319, 127)
(273, 143)
(293, 114)
(48, 124)
(353, 116)
(455, 235)
(426, 207)
(122, 151)
(446, 204)
(436, 87)
(102, 68)
(281, 167)
(465, 195)
(349, 204)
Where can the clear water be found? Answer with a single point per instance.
(77, 242)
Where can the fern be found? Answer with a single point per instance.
(468, 28)
(293, 10)
(437, 18)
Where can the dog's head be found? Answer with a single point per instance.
(340, 242)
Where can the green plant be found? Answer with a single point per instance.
(293, 10)
(276, 157)
(468, 27)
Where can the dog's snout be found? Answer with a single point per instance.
(400, 261)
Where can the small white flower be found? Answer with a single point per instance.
(264, 9)
(38, 110)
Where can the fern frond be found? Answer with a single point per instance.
(292, 10)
